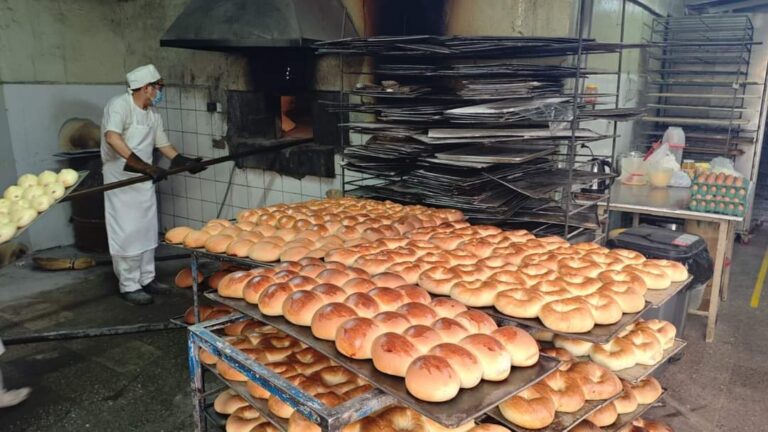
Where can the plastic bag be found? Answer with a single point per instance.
(675, 138)
(723, 165)
(680, 179)
(662, 157)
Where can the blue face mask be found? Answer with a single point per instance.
(158, 98)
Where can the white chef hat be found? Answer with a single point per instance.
(142, 76)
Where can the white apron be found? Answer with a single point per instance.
(131, 211)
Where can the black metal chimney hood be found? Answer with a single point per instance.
(227, 25)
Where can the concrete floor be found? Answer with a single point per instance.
(139, 382)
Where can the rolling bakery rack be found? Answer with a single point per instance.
(206, 383)
(488, 125)
(450, 146)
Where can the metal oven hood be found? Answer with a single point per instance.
(226, 25)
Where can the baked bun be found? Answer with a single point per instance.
(432, 379)
(300, 306)
(627, 402)
(476, 321)
(647, 390)
(522, 348)
(488, 427)
(255, 286)
(447, 307)
(328, 318)
(466, 364)
(195, 239)
(228, 402)
(571, 315)
(183, 278)
(494, 358)
(423, 337)
(532, 408)
(392, 353)
(354, 338)
(272, 298)
(597, 382)
(176, 235)
(232, 285)
(566, 391)
(605, 416)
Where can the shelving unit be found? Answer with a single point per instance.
(565, 210)
(698, 76)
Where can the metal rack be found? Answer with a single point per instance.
(698, 75)
(568, 211)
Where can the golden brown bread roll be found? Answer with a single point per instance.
(183, 278)
(176, 235)
(392, 353)
(195, 239)
(431, 378)
(232, 285)
(328, 318)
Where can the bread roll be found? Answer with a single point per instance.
(476, 322)
(272, 298)
(218, 243)
(195, 239)
(522, 348)
(566, 391)
(176, 235)
(432, 379)
(239, 247)
(255, 286)
(414, 293)
(627, 402)
(466, 364)
(328, 318)
(330, 293)
(422, 337)
(357, 284)
(450, 329)
(183, 278)
(300, 306)
(228, 402)
(605, 416)
(389, 280)
(494, 358)
(392, 353)
(388, 298)
(232, 285)
(354, 337)
(418, 313)
(265, 251)
(532, 408)
(447, 307)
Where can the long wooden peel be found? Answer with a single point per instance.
(85, 262)
(283, 144)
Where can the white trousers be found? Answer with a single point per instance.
(134, 271)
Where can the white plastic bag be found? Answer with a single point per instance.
(675, 138)
(723, 165)
(680, 179)
(662, 157)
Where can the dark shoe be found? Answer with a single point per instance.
(157, 288)
(138, 297)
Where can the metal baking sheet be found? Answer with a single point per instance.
(659, 297)
(491, 153)
(467, 405)
(81, 176)
(259, 404)
(563, 421)
(627, 418)
(245, 262)
(600, 334)
(636, 373)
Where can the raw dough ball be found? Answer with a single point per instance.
(47, 177)
(55, 190)
(24, 216)
(67, 177)
(7, 231)
(33, 191)
(5, 206)
(13, 193)
(41, 203)
(27, 180)
(21, 204)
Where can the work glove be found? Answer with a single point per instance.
(135, 164)
(180, 161)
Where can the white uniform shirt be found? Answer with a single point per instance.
(119, 115)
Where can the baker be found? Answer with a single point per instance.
(131, 129)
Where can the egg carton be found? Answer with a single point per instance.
(719, 207)
(700, 191)
(712, 179)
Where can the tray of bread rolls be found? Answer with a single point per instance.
(563, 399)
(469, 403)
(311, 377)
(286, 232)
(659, 297)
(246, 399)
(635, 353)
(598, 333)
(624, 419)
(243, 262)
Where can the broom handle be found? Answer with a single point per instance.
(206, 163)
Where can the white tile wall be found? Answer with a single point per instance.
(191, 200)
